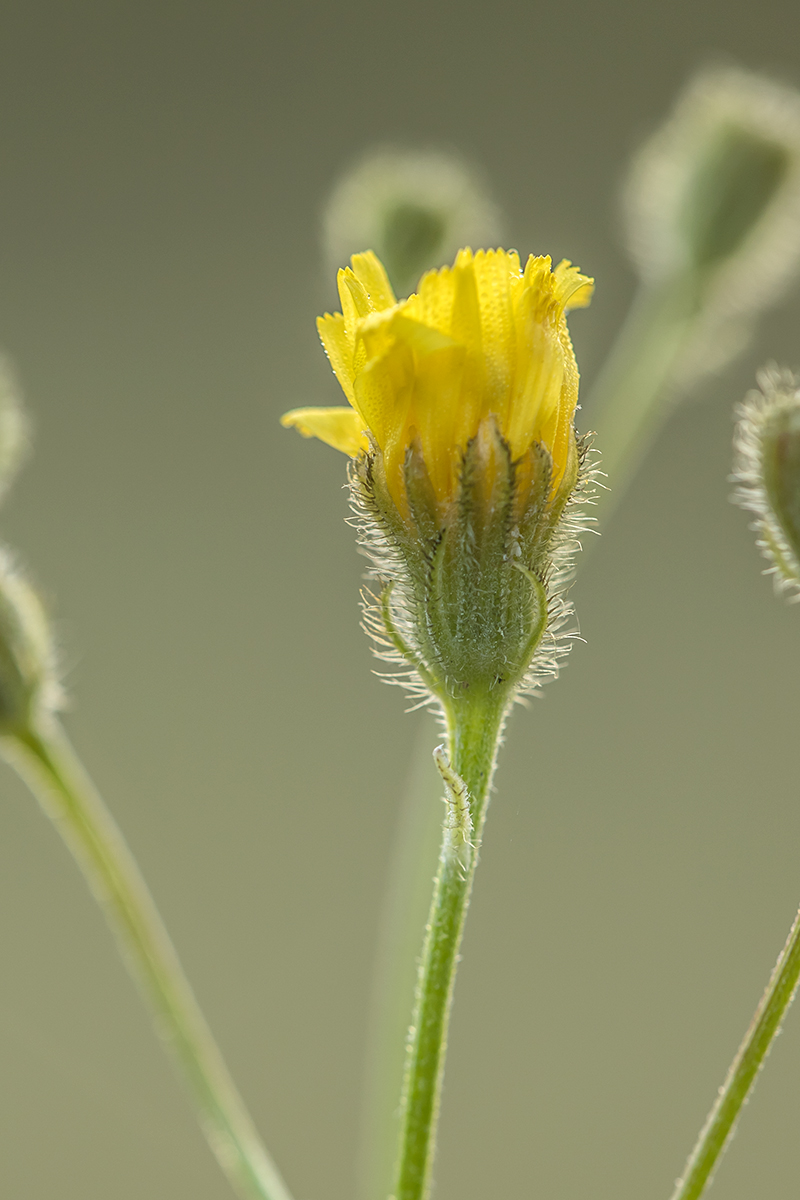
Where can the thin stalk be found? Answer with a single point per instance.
(719, 1127)
(474, 729)
(48, 764)
(415, 852)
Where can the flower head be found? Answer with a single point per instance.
(460, 426)
(481, 339)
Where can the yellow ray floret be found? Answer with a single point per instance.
(341, 428)
(481, 338)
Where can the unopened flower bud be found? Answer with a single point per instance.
(28, 681)
(415, 209)
(767, 472)
(465, 460)
(713, 202)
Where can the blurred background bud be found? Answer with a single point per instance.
(713, 198)
(29, 685)
(713, 216)
(767, 472)
(14, 430)
(28, 677)
(415, 209)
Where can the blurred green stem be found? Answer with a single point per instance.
(48, 764)
(765, 1026)
(474, 727)
(631, 396)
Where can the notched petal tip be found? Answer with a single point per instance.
(369, 271)
(353, 297)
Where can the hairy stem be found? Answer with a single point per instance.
(415, 851)
(719, 1127)
(48, 764)
(474, 729)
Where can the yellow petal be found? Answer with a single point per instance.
(564, 437)
(465, 315)
(493, 272)
(341, 428)
(411, 378)
(437, 411)
(421, 338)
(540, 367)
(339, 349)
(466, 329)
(383, 390)
(354, 300)
(368, 270)
(537, 272)
(433, 303)
(573, 289)
(581, 297)
(376, 335)
(479, 339)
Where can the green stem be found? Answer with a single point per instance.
(719, 1127)
(474, 729)
(630, 398)
(415, 853)
(50, 767)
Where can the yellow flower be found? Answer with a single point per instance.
(481, 339)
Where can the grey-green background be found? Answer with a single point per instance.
(162, 167)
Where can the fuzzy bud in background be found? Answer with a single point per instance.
(29, 688)
(414, 208)
(28, 679)
(14, 433)
(767, 473)
(713, 202)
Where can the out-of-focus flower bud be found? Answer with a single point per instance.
(13, 428)
(767, 472)
(28, 680)
(29, 686)
(713, 200)
(414, 209)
